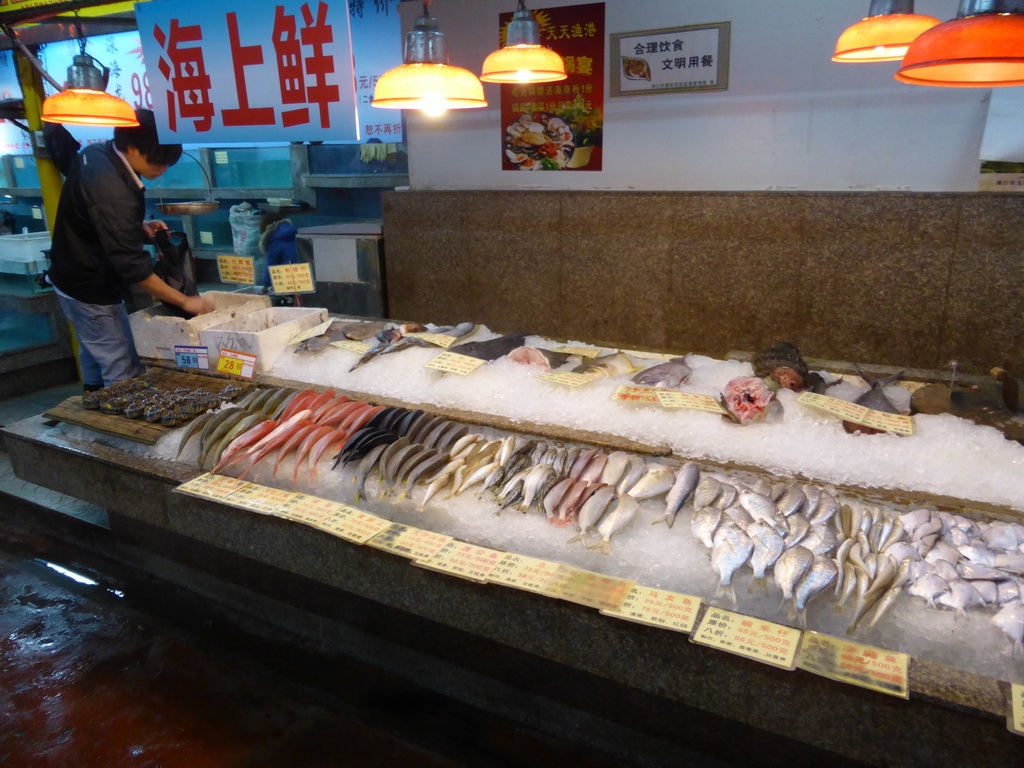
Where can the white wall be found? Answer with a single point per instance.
(792, 119)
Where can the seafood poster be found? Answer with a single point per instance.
(558, 126)
(692, 58)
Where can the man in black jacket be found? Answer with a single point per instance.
(97, 249)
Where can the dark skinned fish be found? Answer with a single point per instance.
(874, 398)
(491, 349)
(456, 331)
(669, 374)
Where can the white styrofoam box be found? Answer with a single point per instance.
(335, 250)
(23, 254)
(157, 332)
(264, 333)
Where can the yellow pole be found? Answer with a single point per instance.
(50, 181)
(33, 94)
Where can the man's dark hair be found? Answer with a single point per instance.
(145, 139)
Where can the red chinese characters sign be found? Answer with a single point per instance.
(271, 72)
(558, 126)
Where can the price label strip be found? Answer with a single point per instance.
(359, 347)
(527, 573)
(236, 269)
(312, 333)
(862, 665)
(192, 357)
(658, 608)
(858, 414)
(570, 379)
(594, 590)
(258, 498)
(451, 362)
(310, 510)
(405, 540)
(353, 525)
(209, 486)
(673, 398)
(1015, 719)
(581, 351)
(634, 394)
(467, 561)
(763, 641)
(292, 278)
(437, 339)
(236, 363)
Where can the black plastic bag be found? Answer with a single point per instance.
(176, 266)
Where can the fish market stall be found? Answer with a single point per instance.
(599, 532)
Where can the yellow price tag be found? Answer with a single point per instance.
(633, 394)
(754, 638)
(858, 414)
(292, 278)
(437, 339)
(452, 362)
(236, 269)
(466, 560)
(522, 572)
(235, 363)
(408, 541)
(874, 668)
(1015, 720)
(658, 608)
(594, 590)
(673, 398)
(570, 379)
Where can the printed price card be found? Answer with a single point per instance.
(37, 212)
(359, 347)
(405, 540)
(354, 525)
(310, 510)
(658, 608)
(258, 498)
(19, 162)
(1015, 721)
(524, 572)
(236, 269)
(634, 394)
(192, 357)
(451, 362)
(209, 486)
(236, 363)
(312, 333)
(594, 590)
(292, 278)
(673, 398)
(581, 351)
(570, 379)
(220, 156)
(206, 238)
(437, 339)
(756, 639)
(849, 662)
(858, 414)
(466, 560)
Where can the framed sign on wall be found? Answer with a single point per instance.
(674, 60)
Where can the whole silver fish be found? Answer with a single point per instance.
(798, 529)
(928, 587)
(824, 511)
(960, 597)
(791, 501)
(761, 507)
(707, 491)
(1010, 620)
(704, 523)
(821, 540)
(668, 374)
(656, 480)
(592, 510)
(790, 568)
(617, 518)
(884, 605)
(768, 547)
(730, 550)
(686, 481)
(614, 467)
(821, 573)
(636, 466)
(727, 497)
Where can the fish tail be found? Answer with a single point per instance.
(604, 545)
(725, 593)
(577, 537)
(759, 586)
(662, 519)
(801, 618)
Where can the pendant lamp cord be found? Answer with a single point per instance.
(81, 34)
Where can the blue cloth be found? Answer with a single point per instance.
(106, 348)
(280, 247)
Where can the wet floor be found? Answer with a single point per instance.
(100, 667)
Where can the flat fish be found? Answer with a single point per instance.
(669, 374)
(704, 523)
(708, 490)
(819, 576)
(615, 364)
(875, 399)
(768, 547)
(761, 507)
(730, 550)
(491, 349)
(790, 568)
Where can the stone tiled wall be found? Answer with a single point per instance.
(906, 279)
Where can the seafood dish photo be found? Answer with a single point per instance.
(539, 141)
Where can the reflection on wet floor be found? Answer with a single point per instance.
(108, 668)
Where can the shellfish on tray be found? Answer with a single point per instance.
(539, 141)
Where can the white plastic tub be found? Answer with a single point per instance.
(265, 333)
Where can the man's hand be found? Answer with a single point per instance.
(152, 226)
(197, 305)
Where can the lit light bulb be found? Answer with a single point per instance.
(433, 104)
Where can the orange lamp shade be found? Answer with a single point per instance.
(430, 87)
(881, 38)
(75, 106)
(982, 51)
(523, 64)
